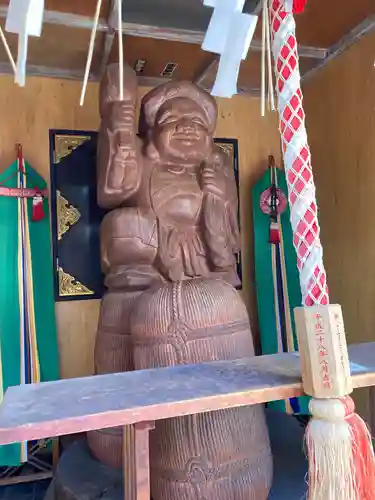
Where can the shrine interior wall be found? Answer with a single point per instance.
(340, 105)
(26, 116)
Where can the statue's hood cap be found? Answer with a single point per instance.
(153, 100)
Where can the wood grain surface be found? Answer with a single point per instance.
(70, 406)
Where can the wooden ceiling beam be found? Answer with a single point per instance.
(206, 78)
(354, 35)
(48, 72)
(146, 31)
(68, 74)
(252, 92)
(66, 19)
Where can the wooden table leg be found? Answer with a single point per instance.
(129, 462)
(136, 456)
(55, 452)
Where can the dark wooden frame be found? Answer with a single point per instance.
(54, 216)
(236, 168)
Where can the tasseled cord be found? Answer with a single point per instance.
(338, 443)
(274, 233)
(38, 209)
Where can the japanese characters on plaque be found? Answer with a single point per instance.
(339, 328)
(323, 351)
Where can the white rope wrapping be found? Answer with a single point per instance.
(288, 5)
(297, 159)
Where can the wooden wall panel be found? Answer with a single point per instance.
(27, 115)
(157, 53)
(59, 47)
(250, 71)
(340, 103)
(325, 23)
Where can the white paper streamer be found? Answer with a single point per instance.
(24, 18)
(229, 34)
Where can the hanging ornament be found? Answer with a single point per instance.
(273, 203)
(38, 209)
(229, 34)
(24, 18)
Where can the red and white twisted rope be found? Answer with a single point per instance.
(297, 158)
(341, 456)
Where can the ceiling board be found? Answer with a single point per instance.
(325, 22)
(82, 7)
(58, 47)
(177, 14)
(190, 58)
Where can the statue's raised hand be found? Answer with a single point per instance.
(109, 87)
(119, 159)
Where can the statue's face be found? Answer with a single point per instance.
(181, 132)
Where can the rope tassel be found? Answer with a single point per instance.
(339, 446)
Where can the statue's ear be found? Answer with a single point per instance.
(142, 124)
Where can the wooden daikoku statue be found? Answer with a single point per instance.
(168, 250)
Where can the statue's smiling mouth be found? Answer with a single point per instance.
(186, 137)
